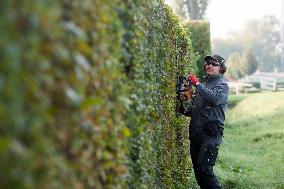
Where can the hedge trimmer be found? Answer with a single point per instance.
(184, 89)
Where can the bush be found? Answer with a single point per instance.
(88, 95)
(200, 35)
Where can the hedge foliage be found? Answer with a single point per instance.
(88, 95)
(200, 35)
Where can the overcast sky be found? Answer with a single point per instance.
(228, 15)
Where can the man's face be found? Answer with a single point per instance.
(212, 68)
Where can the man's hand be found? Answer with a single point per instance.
(188, 93)
(193, 79)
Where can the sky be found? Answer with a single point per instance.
(230, 15)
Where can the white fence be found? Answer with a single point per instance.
(265, 81)
(268, 83)
(238, 87)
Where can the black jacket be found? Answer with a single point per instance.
(208, 105)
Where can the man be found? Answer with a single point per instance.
(207, 120)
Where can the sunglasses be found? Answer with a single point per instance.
(213, 64)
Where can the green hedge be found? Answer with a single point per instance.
(200, 35)
(87, 95)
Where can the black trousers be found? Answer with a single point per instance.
(203, 154)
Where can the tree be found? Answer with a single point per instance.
(233, 63)
(240, 65)
(192, 9)
(227, 46)
(248, 63)
(261, 36)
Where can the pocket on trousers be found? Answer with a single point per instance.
(211, 128)
(211, 154)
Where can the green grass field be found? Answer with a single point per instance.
(252, 153)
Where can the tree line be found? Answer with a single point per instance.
(256, 46)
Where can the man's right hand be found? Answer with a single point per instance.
(193, 79)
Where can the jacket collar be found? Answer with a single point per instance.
(212, 78)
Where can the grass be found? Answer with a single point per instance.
(252, 153)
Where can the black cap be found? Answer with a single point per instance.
(215, 57)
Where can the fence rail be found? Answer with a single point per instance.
(268, 83)
(258, 81)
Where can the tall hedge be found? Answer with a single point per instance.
(200, 35)
(87, 95)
